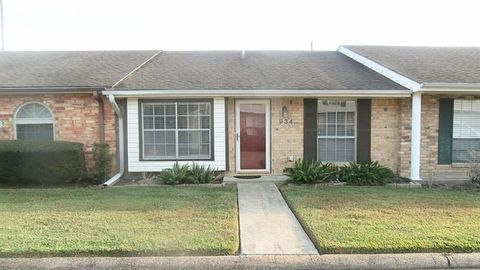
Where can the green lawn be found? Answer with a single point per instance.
(118, 221)
(382, 219)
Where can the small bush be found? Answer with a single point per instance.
(201, 174)
(176, 175)
(41, 163)
(103, 161)
(365, 174)
(186, 174)
(307, 172)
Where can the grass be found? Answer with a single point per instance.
(119, 221)
(385, 219)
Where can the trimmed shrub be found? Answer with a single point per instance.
(41, 163)
(103, 162)
(201, 174)
(307, 172)
(365, 174)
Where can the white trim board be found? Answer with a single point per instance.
(174, 93)
(388, 73)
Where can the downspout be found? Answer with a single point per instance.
(121, 170)
(101, 116)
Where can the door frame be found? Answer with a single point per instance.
(266, 102)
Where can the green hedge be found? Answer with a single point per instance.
(41, 163)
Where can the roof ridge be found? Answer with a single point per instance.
(135, 69)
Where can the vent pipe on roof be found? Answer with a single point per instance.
(243, 55)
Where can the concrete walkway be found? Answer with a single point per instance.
(267, 225)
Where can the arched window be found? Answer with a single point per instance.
(34, 121)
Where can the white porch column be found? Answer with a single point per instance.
(416, 136)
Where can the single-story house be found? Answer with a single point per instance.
(413, 109)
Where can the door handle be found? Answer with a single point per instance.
(238, 136)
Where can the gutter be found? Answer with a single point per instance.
(121, 171)
(50, 89)
(257, 92)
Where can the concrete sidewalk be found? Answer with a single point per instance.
(267, 225)
(335, 262)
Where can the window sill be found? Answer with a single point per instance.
(460, 165)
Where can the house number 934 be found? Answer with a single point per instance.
(286, 121)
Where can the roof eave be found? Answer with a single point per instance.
(255, 93)
(49, 89)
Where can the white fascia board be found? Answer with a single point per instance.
(453, 88)
(390, 74)
(258, 93)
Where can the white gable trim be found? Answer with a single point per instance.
(390, 74)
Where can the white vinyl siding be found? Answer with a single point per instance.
(466, 130)
(336, 130)
(136, 164)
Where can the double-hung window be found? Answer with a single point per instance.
(466, 130)
(177, 130)
(336, 130)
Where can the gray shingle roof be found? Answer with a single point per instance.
(258, 70)
(427, 64)
(67, 69)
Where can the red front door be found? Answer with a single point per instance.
(252, 133)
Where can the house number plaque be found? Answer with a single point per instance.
(287, 121)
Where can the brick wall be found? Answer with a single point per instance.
(429, 168)
(76, 118)
(385, 132)
(287, 140)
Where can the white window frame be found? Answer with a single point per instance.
(33, 121)
(354, 137)
(176, 130)
(455, 115)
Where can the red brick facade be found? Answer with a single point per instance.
(76, 118)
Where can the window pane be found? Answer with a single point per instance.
(205, 122)
(182, 122)
(148, 150)
(148, 122)
(159, 109)
(148, 137)
(160, 136)
(170, 122)
(193, 122)
(36, 132)
(170, 137)
(159, 122)
(182, 109)
(34, 110)
(465, 150)
(192, 109)
(170, 150)
(169, 109)
(322, 124)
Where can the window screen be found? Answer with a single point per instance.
(336, 131)
(177, 130)
(466, 130)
